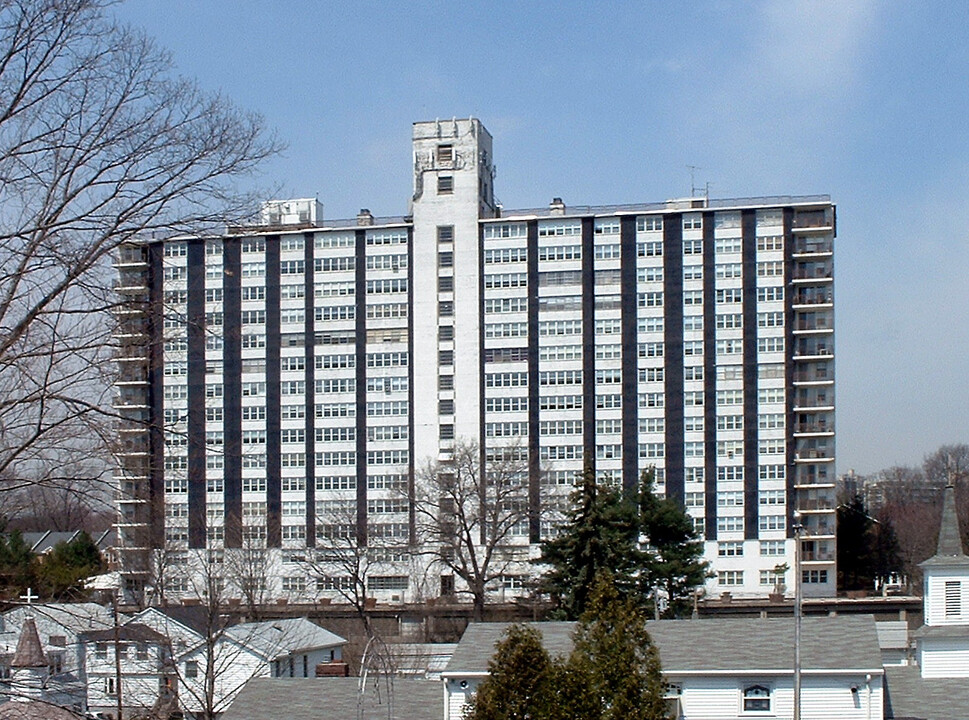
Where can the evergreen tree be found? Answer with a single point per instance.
(615, 654)
(643, 541)
(868, 549)
(601, 532)
(17, 563)
(63, 571)
(672, 550)
(516, 687)
(613, 673)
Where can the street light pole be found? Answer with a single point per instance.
(798, 528)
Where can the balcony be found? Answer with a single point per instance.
(816, 505)
(810, 273)
(813, 322)
(825, 556)
(818, 529)
(814, 219)
(816, 428)
(815, 480)
(814, 455)
(813, 246)
(820, 373)
(809, 348)
(812, 299)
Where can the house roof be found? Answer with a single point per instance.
(35, 710)
(708, 644)
(909, 696)
(949, 550)
(477, 645)
(29, 653)
(275, 638)
(191, 617)
(327, 698)
(76, 617)
(132, 632)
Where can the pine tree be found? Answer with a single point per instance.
(672, 551)
(516, 687)
(600, 533)
(615, 654)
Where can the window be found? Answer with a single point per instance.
(729, 549)
(730, 577)
(445, 184)
(445, 153)
(756, 698)
(814, 576)
(191, 669)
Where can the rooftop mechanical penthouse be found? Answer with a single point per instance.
(288, 382)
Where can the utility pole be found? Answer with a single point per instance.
(117, 656)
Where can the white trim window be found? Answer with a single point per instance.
(756, 698)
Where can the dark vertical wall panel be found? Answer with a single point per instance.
(709, 379)
(673, 352)
(273, 443)
(482, 450)
(749, 255)
(196, 393)
(310, 354)
(361, 376)
(792, 499)
(534, 457)
(588, 343)
(232, 401)
(411, 424)
(630, 355)
(156, 418)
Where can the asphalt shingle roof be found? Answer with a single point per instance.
(949, 550)
(912, 697)
(337, 698)
(741, 644)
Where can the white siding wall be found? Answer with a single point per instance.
(935, 580)
(944, 658)
(822, 697)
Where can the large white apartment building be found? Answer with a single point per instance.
(298, 367)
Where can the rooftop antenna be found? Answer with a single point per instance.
(693, 169)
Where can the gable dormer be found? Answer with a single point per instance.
(946, 574)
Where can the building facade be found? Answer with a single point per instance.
(287, 382)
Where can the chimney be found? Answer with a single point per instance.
(364, 217)
(556, 207)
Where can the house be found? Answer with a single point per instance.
(58, 626)
(937, 687)
(147, 678)
(184, 626)
(724, 668)
(286, 648)
(31, 692)
(327, 698)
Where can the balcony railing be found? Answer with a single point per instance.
(818, 273)
(810, 245)
(817, 323)
(813, 428)
(817, 556)
(818, 504)
(816, 375)
(812, 299)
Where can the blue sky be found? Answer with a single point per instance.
(609, 102)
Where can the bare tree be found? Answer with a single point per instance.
(99, 144)
(246, 570)
(948, 464)
(469, 512)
